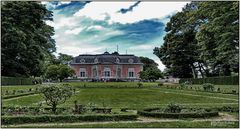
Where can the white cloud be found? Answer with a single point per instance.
(142, 47)
(114, 33)
(95, 27)
(63, 22)
(100, 10)
(145, 10)
(74, 31)
(65, 2)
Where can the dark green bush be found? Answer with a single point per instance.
(224, 80)
(17, 95)
(208, 87)
(16, 81)
(65, 118)
(160, 84)
(228, 109)
(177, 115)
(139, 84)
(102, 110)
(173, 108)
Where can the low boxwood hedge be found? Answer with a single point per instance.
(148, 113)
(66, 118)
(17, 95)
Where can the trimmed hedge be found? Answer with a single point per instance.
(64, 118)
(224, 80)
(148, 113)
(18, 95)
(16, 81)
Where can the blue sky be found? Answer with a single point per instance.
(94, 27)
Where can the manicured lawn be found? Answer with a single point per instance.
(136, 98)
(174, 124)
(127, 95)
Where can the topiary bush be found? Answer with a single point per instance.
(160, 84)
(173, 108)
(139, 84)
(208, 87)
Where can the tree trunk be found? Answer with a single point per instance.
(193, 71)
(54, 108)
(200, 69)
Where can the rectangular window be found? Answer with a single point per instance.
(130, 74)
(82, 74)
(107, 73)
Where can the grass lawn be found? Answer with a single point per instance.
(127, 95)
(136, 98)
(174, 124)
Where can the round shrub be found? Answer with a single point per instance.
(208, 87)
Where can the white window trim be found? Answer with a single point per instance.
(83, 70)
(131, 70)
(107, 70)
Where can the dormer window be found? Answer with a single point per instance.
(117, 60)
(95, 60)
(82, 61)
(130, 61)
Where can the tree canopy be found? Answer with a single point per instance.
(150, 69)
(202, 38)
(26, 38)
(59, 72)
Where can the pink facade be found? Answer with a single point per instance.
(124, 71)
(107, 66)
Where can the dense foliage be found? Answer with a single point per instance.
(202, 38)
(56, 94)
(225, 80)
(66, 118)
(150, 69)
(26, 38)
(59, 72)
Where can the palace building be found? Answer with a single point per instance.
(106, 67)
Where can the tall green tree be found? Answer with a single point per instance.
(179, 50)
(59, 72)
(147, 62)
(150, 69)
(25, 38)
(64, 58)
(218, 35)
(202, 38)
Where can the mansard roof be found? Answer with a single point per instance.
(106, 58)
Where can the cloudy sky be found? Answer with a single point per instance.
(94, 27)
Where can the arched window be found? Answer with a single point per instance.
(82, 72)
